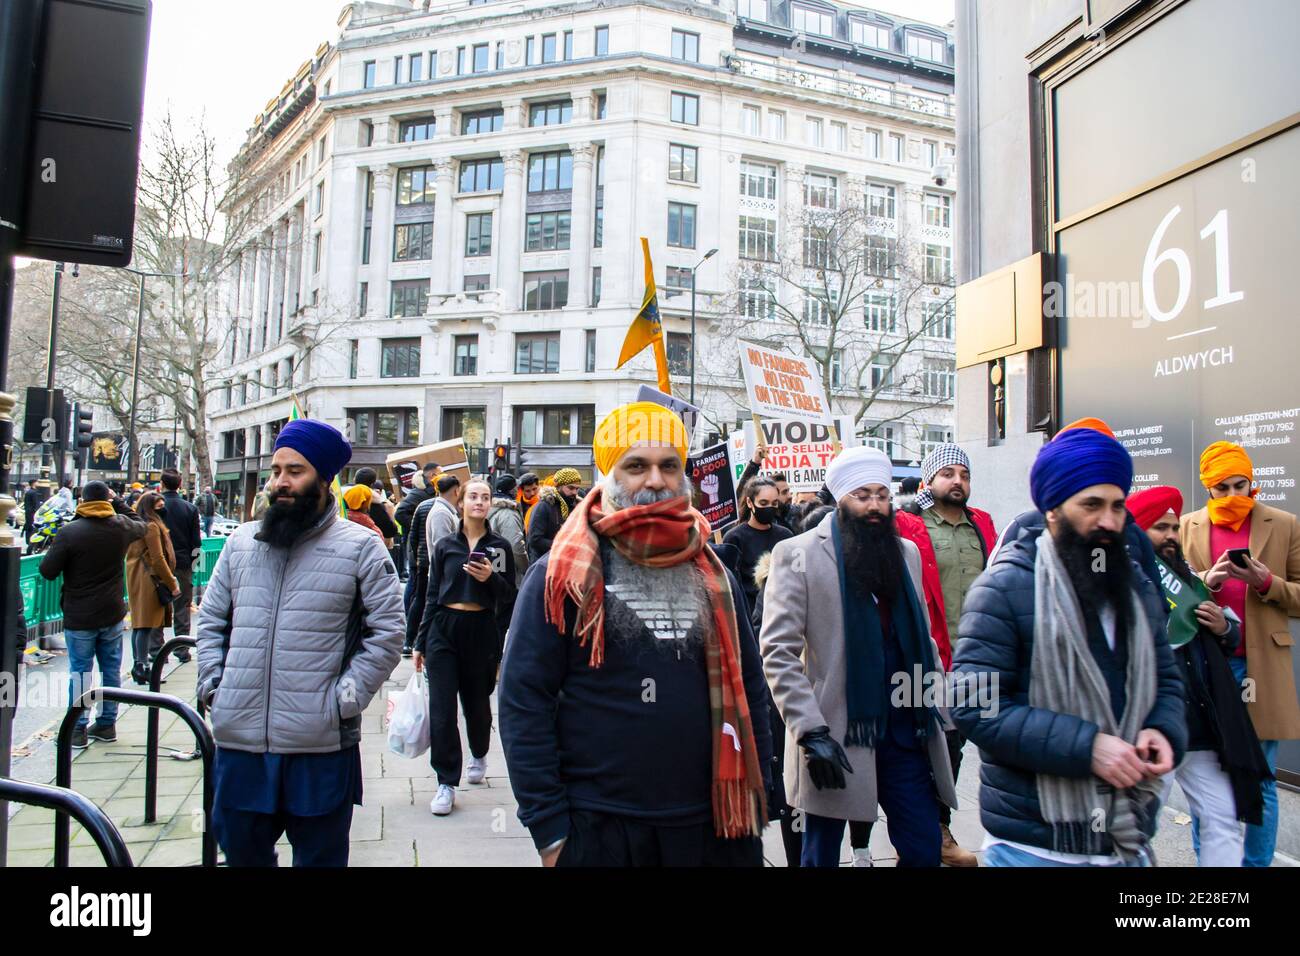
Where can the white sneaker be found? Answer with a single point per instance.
(862, 857)
(477, 769)
(443, 800)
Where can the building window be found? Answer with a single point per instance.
(530, 51)
(589, 364)
(550, 171)
(938, 315)
(595, 289)
(415, 130)
(821, 190)
(363, 299)
(679, 278)
(757, 180)
(545, 231)
(818, 310)
(481, 121)
(880, 437)
(478, 234)
(930, 153)
(601, 105)
(836, 365)
(880, 257)
(365, 246)
(367, 139)
(938, 264)
(481, 175)
(756, 300)
(550, 114)
(809, 20)
(354, 354)
(839, 137)
(399, 358)
(412, 241)
(925, 48)
(478, 283)
(758, 238)
(882, 371)
(384, 426)
(683, 163)
(410, 298)
(879, 313)
(751, 120)
(466, 362)
(776, 125)
(315, 256)
(869, 34)
(397, 69)
(416, 71)
(318, 200)
(871, 144)
(468, 424)
(686, 46)
(548, 47)
(896, 147)
(681, 225)
(812, 127)
(602, 41)
(481, 60)
(568, 44)
(938, 210)
(415, 186)
(932, 436)
(571, 425)
(816, 248)
(460, 61)
(501, 55)
(938, 378)
(546, 290)
(880, 200)
(369, 81)
(678, 347)
(752, 10)
(685, 108)
(537, 354)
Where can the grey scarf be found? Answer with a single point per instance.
(1065, 678)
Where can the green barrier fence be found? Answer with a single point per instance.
(42, 599)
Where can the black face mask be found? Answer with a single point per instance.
(765, 515)
(783, 508)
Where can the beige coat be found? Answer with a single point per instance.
(804, 659)
(1274, 541)
(151, 555)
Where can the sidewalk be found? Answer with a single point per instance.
(394, 827)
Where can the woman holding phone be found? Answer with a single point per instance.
(467, 608)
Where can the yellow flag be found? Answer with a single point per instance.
(647, 329)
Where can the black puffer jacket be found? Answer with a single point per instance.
(995, 644)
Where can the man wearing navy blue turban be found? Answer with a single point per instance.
(1070, 635)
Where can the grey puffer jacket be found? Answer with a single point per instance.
(293, 643)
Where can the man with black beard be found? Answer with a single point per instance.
(300, 626)
(1069, 635)
(854, 672)
(632, 706)
(1225, 763)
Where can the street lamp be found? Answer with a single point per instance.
(707, 256)
(132, 468)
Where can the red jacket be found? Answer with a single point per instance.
(363, 519)
(912, 527)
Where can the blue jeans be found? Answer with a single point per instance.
(84, 647)
(207, 526)
(1261, 838)
(1000, 854)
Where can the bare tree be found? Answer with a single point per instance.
(850, 289)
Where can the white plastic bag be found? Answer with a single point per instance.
(408, 721)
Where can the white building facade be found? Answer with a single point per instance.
(453, 201)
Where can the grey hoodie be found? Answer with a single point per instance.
(504, 519)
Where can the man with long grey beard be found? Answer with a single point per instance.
(632, 706)
(848, 654)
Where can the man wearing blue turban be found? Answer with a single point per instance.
(1068, 634)
(286, 677)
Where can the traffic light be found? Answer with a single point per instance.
(501, 461)
(83, 426)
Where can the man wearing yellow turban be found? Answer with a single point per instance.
(1262, 587)
(632, 700)
(358, 499)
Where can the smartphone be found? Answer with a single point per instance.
(478, 557)
(1238, 556)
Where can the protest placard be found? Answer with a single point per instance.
(714, 487)
(799, 450)
(782, 385)
(689, 414)
(405, 468)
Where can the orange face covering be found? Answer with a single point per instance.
(1231, 511)
(1220, 461)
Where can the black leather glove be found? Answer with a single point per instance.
(827, 761)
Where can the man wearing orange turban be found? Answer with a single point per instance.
(1263, 587)
(630, 605)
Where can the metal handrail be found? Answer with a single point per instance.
(68, 803)
(123, 695)
(151, 733)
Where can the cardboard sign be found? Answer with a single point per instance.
(782, 385)
(800, 450)
(405, 468)
(689, 414)
(714, 487)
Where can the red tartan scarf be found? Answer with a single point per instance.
(663, 535)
